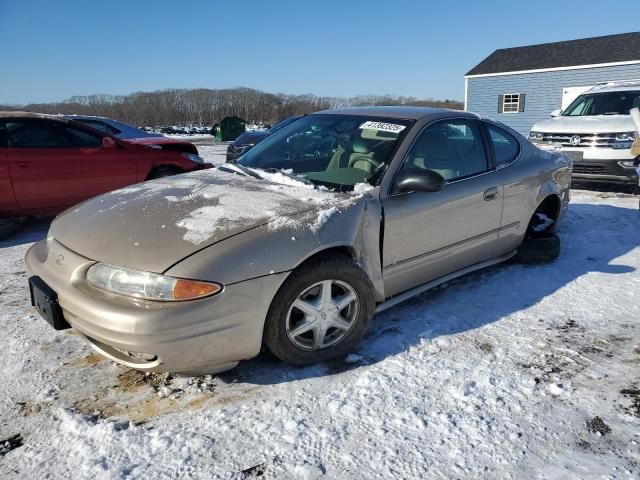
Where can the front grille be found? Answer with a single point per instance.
(604, 140)
(588, 169)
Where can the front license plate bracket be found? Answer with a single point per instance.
(45, 300)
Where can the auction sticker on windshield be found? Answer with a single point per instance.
(382, 126)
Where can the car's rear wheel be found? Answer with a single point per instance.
(539, 249)
(321, 312)
(164, 172)
(540, 244)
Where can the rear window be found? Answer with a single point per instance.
(506, 148)
(100, 126)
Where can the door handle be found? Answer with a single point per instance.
(490, 193)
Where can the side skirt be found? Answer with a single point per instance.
(401, 297)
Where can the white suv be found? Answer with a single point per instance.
(596, 131)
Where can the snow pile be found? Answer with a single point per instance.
(362, 188)
(323, 217)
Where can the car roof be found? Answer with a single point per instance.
(400, 112)
(18, 114)
(85, 117)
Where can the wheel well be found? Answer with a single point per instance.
(343, 250)
(163, 167)
(550, 207)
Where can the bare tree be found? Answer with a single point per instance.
(204, 106)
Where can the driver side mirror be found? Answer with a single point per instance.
(417, 180)
(556, 112)
(108, 142)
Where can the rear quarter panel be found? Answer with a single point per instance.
(536, 175)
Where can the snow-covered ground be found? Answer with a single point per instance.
(215, 153)
(515, 372)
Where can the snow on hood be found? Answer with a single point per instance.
(586, 124)
(152, 225)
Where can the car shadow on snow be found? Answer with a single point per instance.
(593, 237)
(33, 230)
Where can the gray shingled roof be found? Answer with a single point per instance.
(624, 47)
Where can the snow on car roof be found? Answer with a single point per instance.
(618, 86)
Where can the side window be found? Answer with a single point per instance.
(34, 134)
(112, 130)
(80, 139)
(3, 136)
(453, 148)
(100, 126)
(48, 134)
(506, 148)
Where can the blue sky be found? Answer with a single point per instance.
(51, 50)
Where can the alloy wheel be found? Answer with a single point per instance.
(322, 315)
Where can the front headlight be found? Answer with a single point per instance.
(626, 136)
(147, 285)
(193, 157)
(539, 136)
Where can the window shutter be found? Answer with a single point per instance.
(500, 103)
(521, 103)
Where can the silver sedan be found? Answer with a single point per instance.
(297, 244)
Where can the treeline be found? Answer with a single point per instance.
(203, 106)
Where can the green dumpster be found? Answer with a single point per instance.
(229, 128)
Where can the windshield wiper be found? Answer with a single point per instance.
(236, 168)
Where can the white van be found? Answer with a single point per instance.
(596, 131)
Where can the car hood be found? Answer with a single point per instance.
(152, 225)
(586, 124)
(248, 138)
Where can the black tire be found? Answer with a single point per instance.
(339, 268)
(164, 172)
(10, 226)
(539, 249)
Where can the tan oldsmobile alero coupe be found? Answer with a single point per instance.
(335, 217)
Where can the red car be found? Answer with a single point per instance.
(49, 163)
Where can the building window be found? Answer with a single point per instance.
(511, 103)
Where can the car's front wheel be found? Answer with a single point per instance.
(321, 311)
(166, 171)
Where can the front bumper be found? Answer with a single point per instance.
(206, 335)
(609, 171)
(599, 165)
